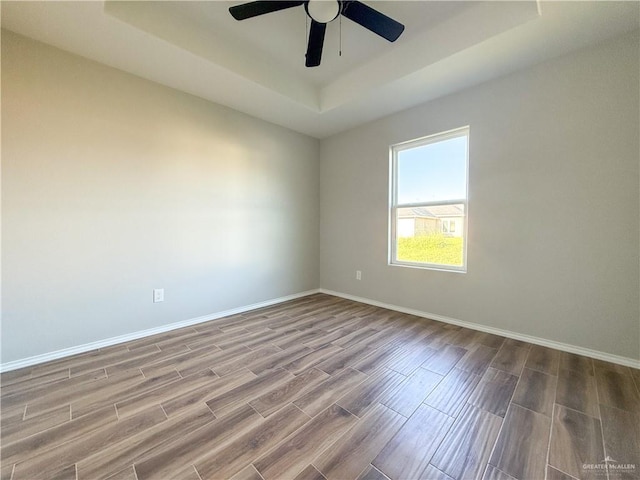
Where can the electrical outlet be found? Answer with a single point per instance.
(158, 295)
(358, 275)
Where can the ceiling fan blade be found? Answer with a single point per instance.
(372, 20)
(254, 9)
(316, 41)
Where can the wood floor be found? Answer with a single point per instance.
(317, 388)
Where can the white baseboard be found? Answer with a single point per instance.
(37, 359)
(66, 352)
(587, 352)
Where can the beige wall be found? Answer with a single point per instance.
(551, 148)
(113, 186)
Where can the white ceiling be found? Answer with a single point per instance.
(257, 65)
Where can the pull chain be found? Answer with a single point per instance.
(340, 50)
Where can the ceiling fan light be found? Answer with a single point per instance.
(323, 11)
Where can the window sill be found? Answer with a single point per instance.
(428, 266)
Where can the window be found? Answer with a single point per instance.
(448, 226)
(428, 214)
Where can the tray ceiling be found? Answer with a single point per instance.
(257, 66)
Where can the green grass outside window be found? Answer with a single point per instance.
(436, 249)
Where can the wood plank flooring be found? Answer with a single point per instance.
(321, 388)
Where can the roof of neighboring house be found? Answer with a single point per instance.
(434, 211)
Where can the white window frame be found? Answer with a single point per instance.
(394, 205)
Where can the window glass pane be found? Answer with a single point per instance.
(433, 172)
(431, 234)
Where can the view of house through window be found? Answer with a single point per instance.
(429, 201)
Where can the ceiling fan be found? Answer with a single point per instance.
(322, 12)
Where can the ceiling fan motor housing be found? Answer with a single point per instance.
(323, 11)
